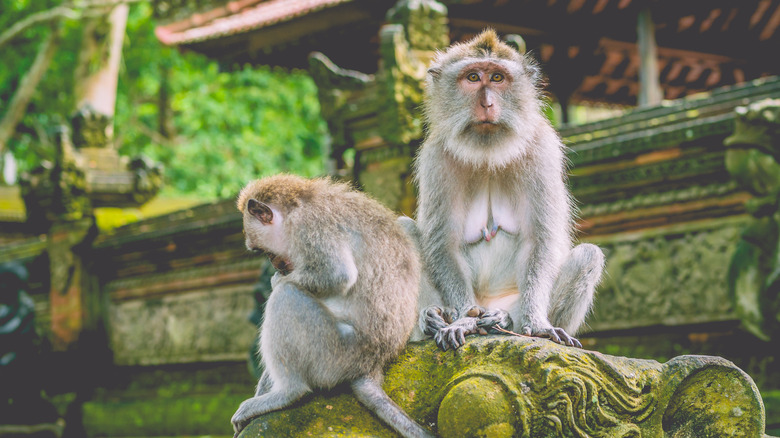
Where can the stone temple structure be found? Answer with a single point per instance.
(682, 195)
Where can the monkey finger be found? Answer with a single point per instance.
(550, 334)
(461, 337)
(440, 341)
(433, 311)
(432, 320)
(454, 339)
(554, 337)
(431, 328)
(568, 340)
(493, 318)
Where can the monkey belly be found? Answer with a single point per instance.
(494, 270)
(498, 299)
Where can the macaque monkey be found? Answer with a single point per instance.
(494, 218)
(344, 298)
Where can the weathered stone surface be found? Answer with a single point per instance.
(753, 159)
(205, 325)
(666, 277)
(501, 386)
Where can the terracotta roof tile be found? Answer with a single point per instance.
(237, 17)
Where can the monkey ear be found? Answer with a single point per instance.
(516, 42)
(261, 211)
(434, 72)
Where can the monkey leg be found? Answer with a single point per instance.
(303, 346)
(573, 291)
(277, 398)
(264, 384)
(410, 227)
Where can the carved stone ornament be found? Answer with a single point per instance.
(55, 192)
(91, 129)
(419, 27)
(753, 160)
(502, 386)
(87, 172)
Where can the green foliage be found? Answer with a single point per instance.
(53, 99)
(231, 126)
(227, 126)
(185, 415)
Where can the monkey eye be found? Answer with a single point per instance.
(497, 77)
(473, 77)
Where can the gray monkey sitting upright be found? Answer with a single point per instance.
(494, 221)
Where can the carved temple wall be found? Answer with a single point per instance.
(653, 191)
(173, 294)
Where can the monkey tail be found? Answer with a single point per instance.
(369, 392)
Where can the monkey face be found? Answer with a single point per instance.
(486, 84)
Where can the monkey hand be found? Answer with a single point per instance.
(454, 335)
(434, 318)
(243, 416)
(555, 334)
(491, 318)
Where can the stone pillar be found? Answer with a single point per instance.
(753, 160)
(650, 92)
(74, 305)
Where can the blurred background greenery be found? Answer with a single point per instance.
(211, 127)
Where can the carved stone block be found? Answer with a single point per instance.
(501, 386)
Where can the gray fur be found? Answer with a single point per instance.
(521, 165)
(346, 308)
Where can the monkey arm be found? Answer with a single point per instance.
(325, 269)
(441, 246)
(532, 306)
(547, 244)
(449, 274)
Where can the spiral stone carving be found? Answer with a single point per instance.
(501, 386)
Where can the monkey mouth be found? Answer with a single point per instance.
(485, 126)
(281, 264)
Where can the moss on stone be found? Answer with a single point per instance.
(194, 415)
(507, 386)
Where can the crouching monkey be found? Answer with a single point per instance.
(344, 298)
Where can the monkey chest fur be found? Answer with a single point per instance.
(495, 218)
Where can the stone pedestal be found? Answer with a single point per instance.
(500, 386)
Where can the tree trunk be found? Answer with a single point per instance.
(97, 88)
(164, 111)
(49, 15)
(650, 92)
(28, 84)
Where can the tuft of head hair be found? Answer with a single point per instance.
(485, 45)
(283, 191)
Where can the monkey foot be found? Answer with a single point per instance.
(454, 335)
(435, 318)
(491, 318)
(477, 320)
(555, 334)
